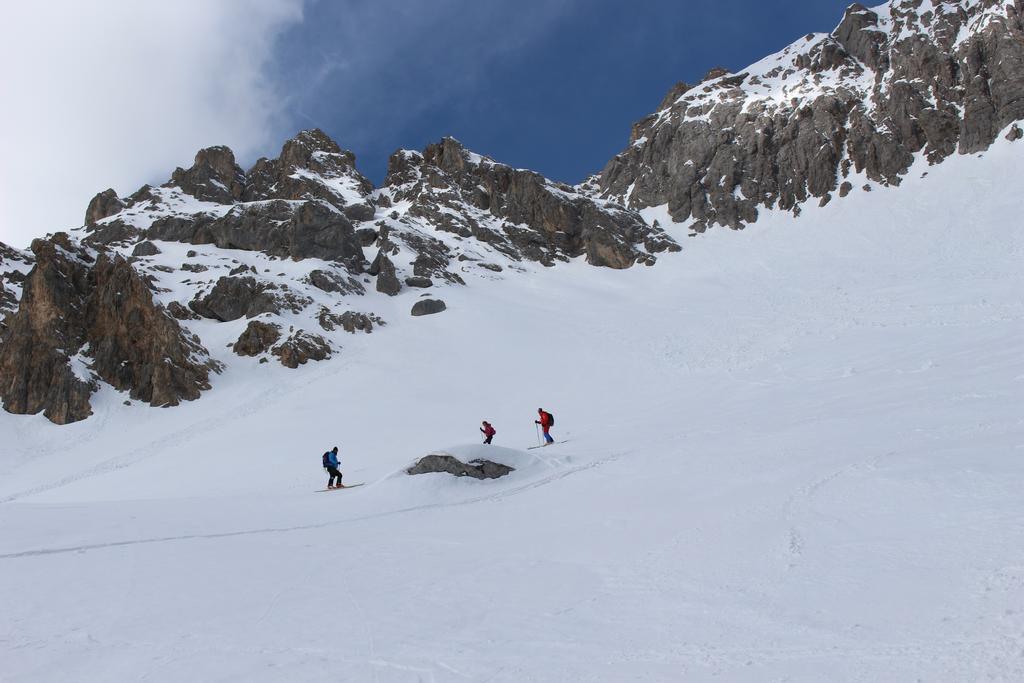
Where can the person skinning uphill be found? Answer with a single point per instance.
(546, 422)
(331, 465)
(488, 431)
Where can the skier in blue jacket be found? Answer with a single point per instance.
(331, 465)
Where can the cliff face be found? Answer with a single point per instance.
(908, 77)
(85, 317)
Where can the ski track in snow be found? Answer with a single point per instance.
(491, 497)
(794, 454)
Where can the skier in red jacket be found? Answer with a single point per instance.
(488, 432)
(546, 421)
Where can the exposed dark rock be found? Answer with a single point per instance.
(135, 345)
(428, 307)
(387, 277)
(491, 266)
(712, 74)
(330, 281)
(1015, 133)
(674, 93)
(84, 318)
(350, 321)
(417, 281)
(146, 248)
(301, 347)
(448, 464)
(257, 338)
(114, 232)
(518, 213)
(278, 228)
(366, 236)
(234, 297)
(180, 312)
(214, 177)
(895, 88)
(103, 205)
(194, 267)
(298, 173)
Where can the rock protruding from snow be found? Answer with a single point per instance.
(257, 338)
(213, 177)
(300, 348)
(103, 205)
(517, 213)
(85, 317)
(350, 321)
(145, 248)
(449, 464)
(236, 297)
(912, 77)
(428, 307)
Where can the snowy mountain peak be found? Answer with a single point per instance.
(829, 113)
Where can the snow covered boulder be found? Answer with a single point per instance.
(145, 248)
(442, 462)
(428, 307)
(257, 338)
(300, 348)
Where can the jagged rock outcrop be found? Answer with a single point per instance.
(145, 248)
(85, 317)
(931, 78)
(236, 297)
(519, 213)
(300, 348)
(280, 228)
(312, 166)
(257, 338)
(214, 177)
(104, 204)
(449, 464)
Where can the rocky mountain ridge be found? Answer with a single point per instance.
(288, 259)
(828, 113)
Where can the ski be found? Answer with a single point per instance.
(349, 486)
(530, 448)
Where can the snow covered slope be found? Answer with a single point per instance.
(795, 453)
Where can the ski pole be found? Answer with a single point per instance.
(538, 432)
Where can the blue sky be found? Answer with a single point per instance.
(552, 86)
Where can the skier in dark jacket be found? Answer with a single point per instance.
(488, 431)
(546, 421)
(331, 465)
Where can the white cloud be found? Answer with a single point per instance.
(120, 92)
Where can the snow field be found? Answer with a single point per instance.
(795, 454)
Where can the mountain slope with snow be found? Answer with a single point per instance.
(794, 454)
(788, 453)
